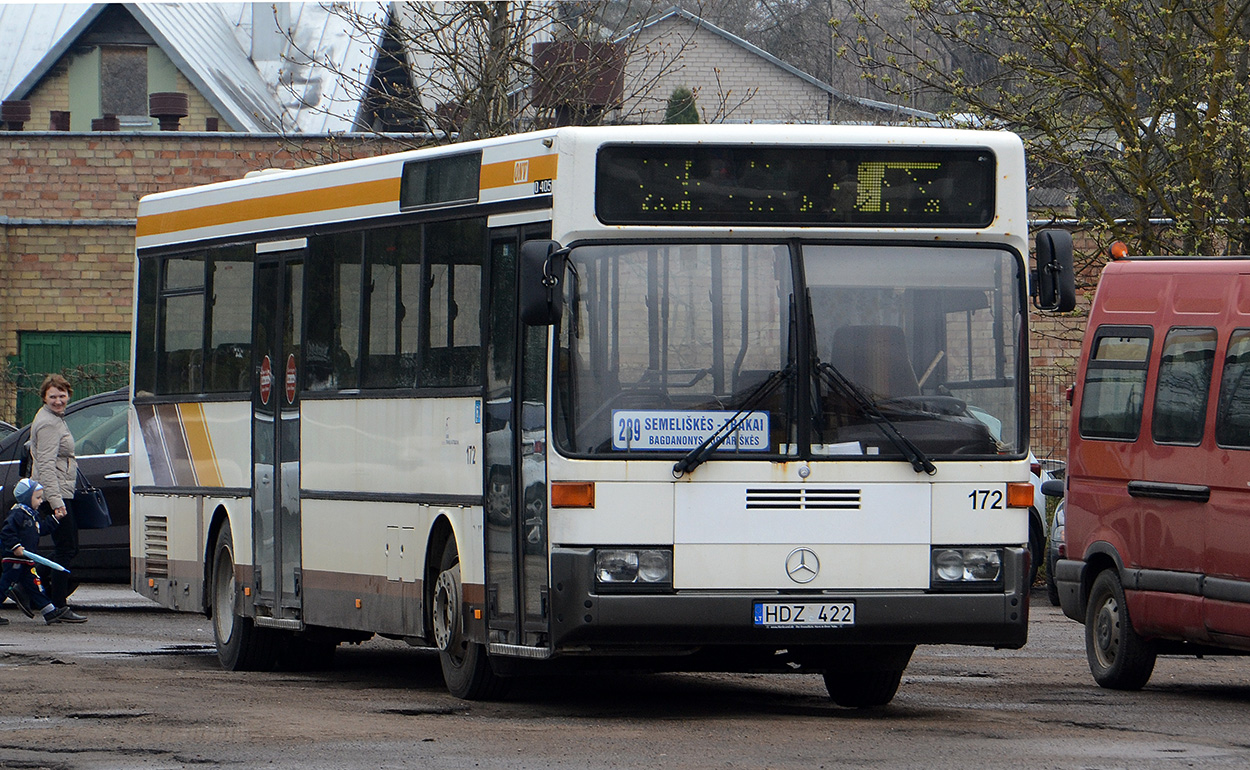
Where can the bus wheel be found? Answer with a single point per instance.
(240, 645)
(1037, 547)
(1119, 658)
(868, 680)
(466, 666)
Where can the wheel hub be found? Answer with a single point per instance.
(446, 609)
(1105, 632)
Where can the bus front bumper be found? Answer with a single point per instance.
(583, 620)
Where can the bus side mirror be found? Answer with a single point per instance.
(542, 282)
(1056, 279)
(1053, 488)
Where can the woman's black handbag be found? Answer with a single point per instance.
(91, 510)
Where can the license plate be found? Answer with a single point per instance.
(804, 614)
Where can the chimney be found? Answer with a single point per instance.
(106, 123)
(14, 113)
(58, 120)
(168, 107)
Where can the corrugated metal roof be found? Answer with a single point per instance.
(297, 90)
(28, 33)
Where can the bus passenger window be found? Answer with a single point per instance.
(451, 349)
(1115, 383)
(180, 353)
(1184, 381)
(1232, 421)
(229, 321)
(332, 337)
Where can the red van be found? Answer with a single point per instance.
(1158, 480)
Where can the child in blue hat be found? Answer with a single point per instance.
(22, 529)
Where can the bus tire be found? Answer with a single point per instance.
(466, 664)
(1037, 545)
(1119, 658)
(867, 681)
(241, 646)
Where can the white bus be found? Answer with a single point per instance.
(687, 398)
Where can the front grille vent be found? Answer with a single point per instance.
(803, 499)
(156, 546)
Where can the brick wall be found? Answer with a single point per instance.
(67, 209)
(731, 82)
(1054, 347)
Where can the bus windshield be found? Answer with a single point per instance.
(805, 347)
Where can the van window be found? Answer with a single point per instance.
(1232, 421)
(1184, 381)
(1115, 383)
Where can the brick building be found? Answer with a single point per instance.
(67, 234)
(67, 223)
(733, 80)
(86, 90)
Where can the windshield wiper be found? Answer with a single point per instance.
(919, 462)
(697, 456)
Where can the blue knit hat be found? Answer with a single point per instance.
(23, 489)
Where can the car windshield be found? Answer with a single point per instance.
(663, 344)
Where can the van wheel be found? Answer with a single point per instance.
(1119, 658)
(466, 665)
(241, 646)
(867, 681)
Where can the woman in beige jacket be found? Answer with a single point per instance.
(54, 466)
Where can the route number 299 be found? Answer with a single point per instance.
(986, 499)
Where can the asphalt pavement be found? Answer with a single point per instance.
(108, 596)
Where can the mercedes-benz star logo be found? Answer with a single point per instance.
(802, 565)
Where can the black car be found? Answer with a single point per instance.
(6, 430)
(102, 445)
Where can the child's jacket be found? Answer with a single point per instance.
(23, 527)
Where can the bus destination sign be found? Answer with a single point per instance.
(680, 431)
(646, 184)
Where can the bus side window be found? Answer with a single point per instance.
(180, 351)
(1232, 420)
(1115, 383)
(451, 345)
(332, 335)
(1185, 366)
(229, 320)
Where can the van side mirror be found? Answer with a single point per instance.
(1056, 280)
(542, 282)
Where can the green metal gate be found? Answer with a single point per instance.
(93, 362)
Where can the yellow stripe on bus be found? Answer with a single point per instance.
(285, 204)
(200, 445)
(509, 172)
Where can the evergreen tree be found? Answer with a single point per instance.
(681, 107)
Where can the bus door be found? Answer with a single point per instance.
(276, 341)
(515, 465)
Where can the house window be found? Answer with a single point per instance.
(124, 82)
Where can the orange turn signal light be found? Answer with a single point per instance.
(573, 494)
(1019, 495)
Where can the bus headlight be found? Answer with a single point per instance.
(956, 566)
(634, 567)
